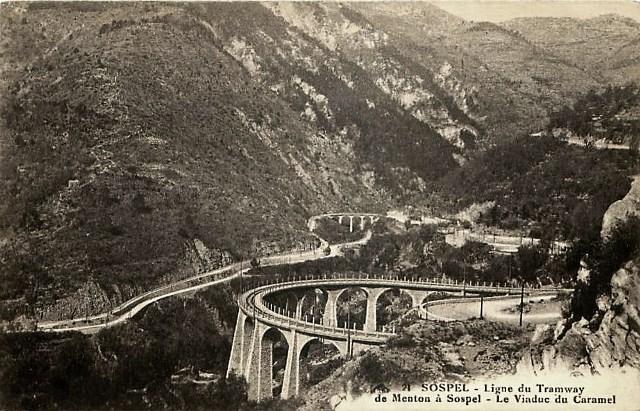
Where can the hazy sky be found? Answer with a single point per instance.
(495, 11)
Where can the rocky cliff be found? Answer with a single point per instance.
(621, 209)
(578, 349)
(610, 339)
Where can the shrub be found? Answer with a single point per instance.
(371, 369)
(401, 341)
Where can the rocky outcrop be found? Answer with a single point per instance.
(88, 300)
(611, 338)
(621, 209)
(199, 258)
(91, 298)
(617, 341)
(580, 350)
(438, 100)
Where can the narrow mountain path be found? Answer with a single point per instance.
(130, 308)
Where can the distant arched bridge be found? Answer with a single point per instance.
(361, 219)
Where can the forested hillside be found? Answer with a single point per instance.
(613, 115)
(144, 142)
(149, 142)
(561, 190)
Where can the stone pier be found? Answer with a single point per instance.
(291, 381)
(371, 322)
(299, 306)
(252, 356)
(238, 349)
(258, 327)
(259, 369)
(330, 317)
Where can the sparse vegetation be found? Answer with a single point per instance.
(129, 366)
(604, 259)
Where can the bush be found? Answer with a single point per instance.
(371, 369)
(401, 341)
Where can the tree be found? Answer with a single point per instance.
(530, 260)
(621, 246)
(372, 369)
(231, 391)
(139, 204)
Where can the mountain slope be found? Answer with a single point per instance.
(142, 142)
(412, 87)
(498, 76)
(138, 137)
(329, 92)
(600, 45)
(624, 64)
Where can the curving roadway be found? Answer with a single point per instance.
(130, 308)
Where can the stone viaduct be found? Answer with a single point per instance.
(259, 323)
(360, 218)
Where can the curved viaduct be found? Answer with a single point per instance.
(259, 320)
